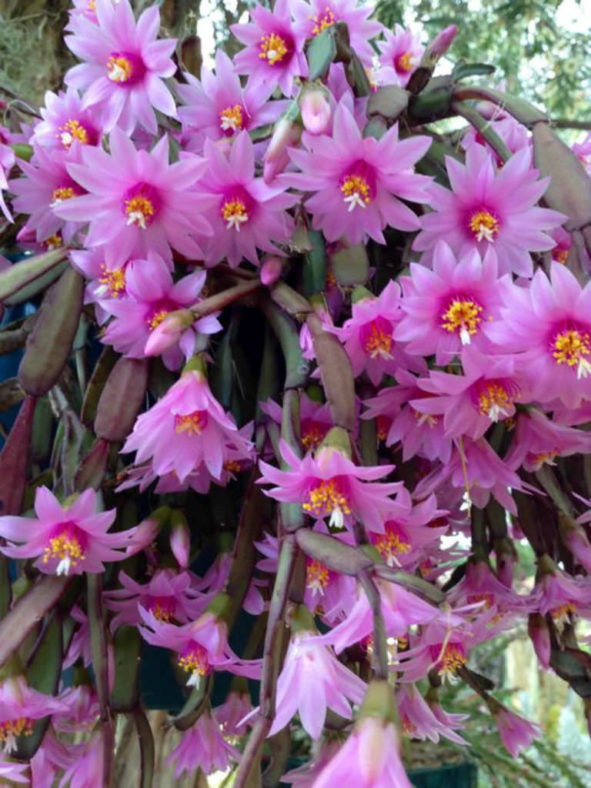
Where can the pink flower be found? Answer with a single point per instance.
(80, 644)
(537, 440)
(234, 709)
(549, 323)
(305, 776)
(370, 758)
(329, 485)
(311, 681)
(151, 295)
(122, 77)
(314, 17)
(13, 771)
(401, 53)
(46, 186)
(86, 768)
(450, 306)
(418, 719)
(514, 135)
(482, 588)
(70, 538)
(66, 123)
(185, 429)
(246, 214)
(7, 159)
(358, 182)
(202, 747)
(20, 706)
(316, 111)
(516, 732)
(105, 285)
(560, 595)
(315, 420)
(137, 201)
(492, 209)
(273, 50)
(218, 107)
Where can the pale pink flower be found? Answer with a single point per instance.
(203, 747)
(230, 715)
(418, 718)
(400, 54)
(86, 769)
(20, 707)
(516, 732)
(537, 440)
(66, 123)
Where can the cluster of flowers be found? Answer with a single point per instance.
(471, 369)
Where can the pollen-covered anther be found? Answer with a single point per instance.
(572, 347)
(232, 118)
(484, 225)
(112, 282)
(273, 48)
(62, 193)
(451, 660)
(317, 576)
(234, 214)
(322, 21)
(196, 663)
(463, 315)
(140, 210)
(356, 191)
(391, 544)
(72, 131)
(494, 400)
(377, 339)
(192, 423)
(405, 62)
(328, 497)
(66, 546)
(120, 68)
(10, 730)
(157, 318)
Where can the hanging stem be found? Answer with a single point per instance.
(380, 645)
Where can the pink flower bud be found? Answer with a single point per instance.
(168, 332)
(316, 111)
(180, 544)
(271, 270)
(276, 159)
(442, 42)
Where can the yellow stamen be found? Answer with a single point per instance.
(71, 131)
(378, 342)
(114, 281)
(232, 466)
(494, 400)
(464, 316)
(327, 497)
(322, 21)
(355, 190)
(312, 435)
(391, 544)
(157, 318)
(67, 548)
(571, 347)
(484, 225)
(62, 193)
(560, 256)
(193, 423)
(162, 611)
(231, 118)
(451, 660)
(272, 48)
(119, 68)
(234, 214)
(562, 614)
(12, 729)
(196, 663)
(140, 210)
(317, 576)
(405, 62)
(53, 242)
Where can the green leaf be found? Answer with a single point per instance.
(463, 70)
(321, 53)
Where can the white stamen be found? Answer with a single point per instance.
(194, 680)
(336, 518)
(117, 74)
(67, 139)
(63, 568)
(485, 232)
(353, 200)
(464, 335)
(583, 368)
(136, 217)
(235, 220)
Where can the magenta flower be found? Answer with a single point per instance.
(46, 186)
(137, 201)
(515, 136)
(80, 644)
(122, 77)
(150, 295)
(81, 8)
(369, 758)
(71, 538)
(185, 429)
(561, 596)
(470, 403)
(450, 306)
(418, 719)
(537, 440)
(232, 712)
(358, 182)
(315, 420)
(246, 213)
(87, 767)
(218, 107)
(492, 209)
(401, 53)
(329, 485)
(480, 586)
(311, 681)
(104, 285)
(549, 323)
(20, 706)
(7, 159)
(273, 50)
(314, 17)
(203, 747)
(516, 732)
(66, 123)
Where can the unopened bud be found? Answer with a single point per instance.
(271, 270)
(442, 41)
(276, 159)
(168, 332)
(316, 111)
(540, 637)
(180, 544)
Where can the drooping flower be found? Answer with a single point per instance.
(230, 715)
(537, 440)
(312, 680)
(516, 732)
(560, 595)
(151, 295)
(450, 305)
(273, 50)
(70, 538)
(246, 214)
(418, 719)
(401, 53)
(357, 183)
(86, 768)
(65, 122)
(185, 429)
(20, 707)
(218, 107)
(329, 485)
(203, 747)
(312, 18)
(486, 208)
(549, 324)
(122, 77)
(315, 420)
(79, 647)
(137, 201)
(481, 586)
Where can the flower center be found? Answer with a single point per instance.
(10, 730)
(195, 662)
(383, 424)
(450, 658)
(484, 225)
(53, 242)
(234, 213)
(356, 191)
(62, 193)
(463, 315)
(272, 48)
(425, 418)
(317, 576)
(560, 254)
(157, 318)
(163, 608)
(313, 433)
(232, 118)
(73, 131)
(67, 547)
(193, 423)
(113, 281)
(571, 347)
(329, 497)
(495, 399)
(562, 613)
(140, 205)
(392, 543)
(376, 338)
(120, 68)
(404, 63)
(322, 21)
